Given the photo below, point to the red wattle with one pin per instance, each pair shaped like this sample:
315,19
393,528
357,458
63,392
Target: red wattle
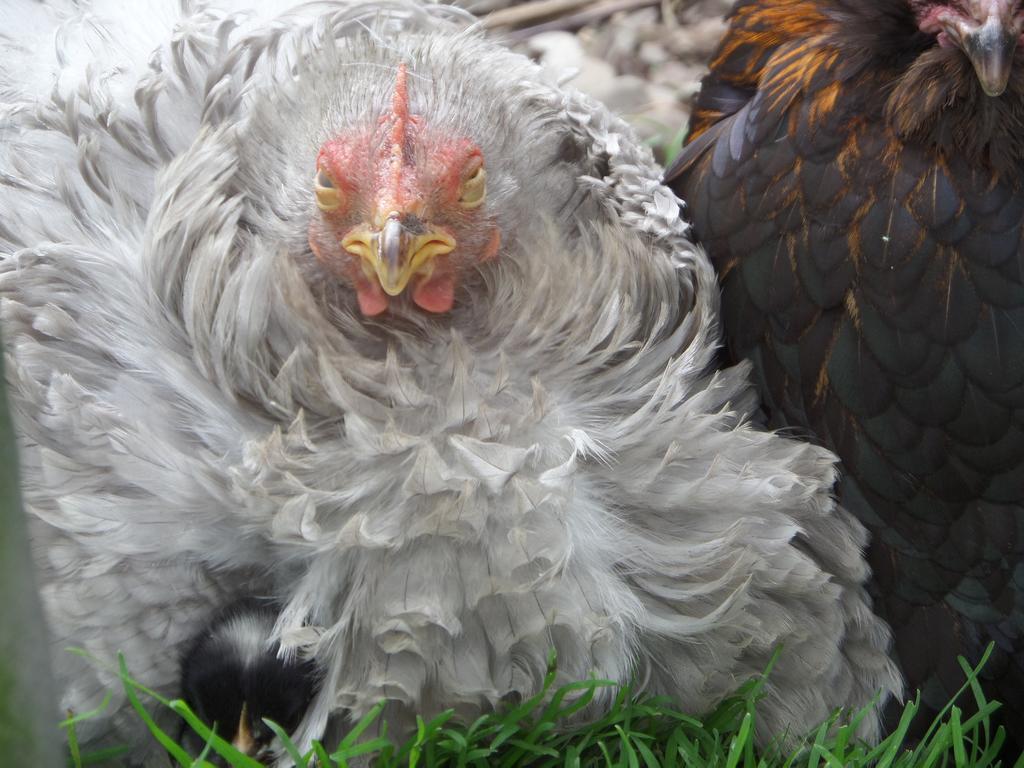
435,294
372,300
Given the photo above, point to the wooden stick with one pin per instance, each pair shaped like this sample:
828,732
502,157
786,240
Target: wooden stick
527,13
575,21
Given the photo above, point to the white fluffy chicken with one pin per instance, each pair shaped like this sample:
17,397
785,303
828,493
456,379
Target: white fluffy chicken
351,307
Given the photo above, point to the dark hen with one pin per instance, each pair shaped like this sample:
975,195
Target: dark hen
854,170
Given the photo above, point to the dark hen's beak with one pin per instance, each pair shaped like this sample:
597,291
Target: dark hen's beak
991,48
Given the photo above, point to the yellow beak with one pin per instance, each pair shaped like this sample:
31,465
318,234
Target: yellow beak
396,252
243,741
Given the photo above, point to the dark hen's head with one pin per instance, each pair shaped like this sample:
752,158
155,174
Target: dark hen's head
951,71
985,31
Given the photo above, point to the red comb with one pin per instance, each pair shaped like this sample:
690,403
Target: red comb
399,118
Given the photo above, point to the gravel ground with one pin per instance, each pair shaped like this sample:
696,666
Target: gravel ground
644,61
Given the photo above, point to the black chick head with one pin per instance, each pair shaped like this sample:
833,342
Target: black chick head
232,678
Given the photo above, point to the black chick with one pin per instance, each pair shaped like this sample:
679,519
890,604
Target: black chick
232,678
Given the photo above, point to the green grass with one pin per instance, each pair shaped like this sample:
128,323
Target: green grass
637,732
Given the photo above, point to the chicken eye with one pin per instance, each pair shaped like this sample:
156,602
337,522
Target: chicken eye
328,196
474,189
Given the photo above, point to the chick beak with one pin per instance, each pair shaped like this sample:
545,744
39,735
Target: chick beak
402,248
244,741
990,48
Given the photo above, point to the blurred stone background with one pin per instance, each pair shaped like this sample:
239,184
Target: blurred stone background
643,58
